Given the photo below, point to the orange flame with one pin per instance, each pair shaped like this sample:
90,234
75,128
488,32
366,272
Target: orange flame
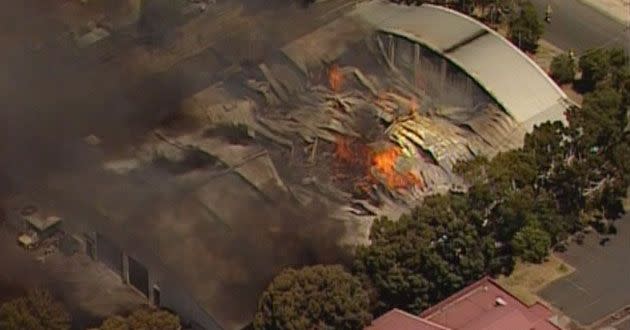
352,157
335,78
366,167
384,162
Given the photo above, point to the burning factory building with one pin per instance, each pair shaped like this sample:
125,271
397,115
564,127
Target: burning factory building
358,118
290,159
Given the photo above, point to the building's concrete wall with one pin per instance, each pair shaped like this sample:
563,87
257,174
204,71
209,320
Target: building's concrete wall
173,296
86,223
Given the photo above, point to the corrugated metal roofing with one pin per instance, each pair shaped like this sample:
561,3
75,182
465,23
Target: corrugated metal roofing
521,88
512,78
436,27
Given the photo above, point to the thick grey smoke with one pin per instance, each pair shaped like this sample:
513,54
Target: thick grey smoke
265,239
52,95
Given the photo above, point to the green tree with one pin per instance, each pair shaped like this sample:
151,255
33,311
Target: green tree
513,169
609,66
545,144
621,81
491,16
153,319
608,200
16,315
425,256
620,156
526,28
37,311
474,171
563,69
618,57
509,170
317,297
532,244
115,323
549,218
567,184
595,65
143,319
620,69
512,213
600,120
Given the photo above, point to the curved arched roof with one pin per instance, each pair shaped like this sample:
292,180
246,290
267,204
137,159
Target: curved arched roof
522,88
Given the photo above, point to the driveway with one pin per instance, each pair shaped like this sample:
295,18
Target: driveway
601,283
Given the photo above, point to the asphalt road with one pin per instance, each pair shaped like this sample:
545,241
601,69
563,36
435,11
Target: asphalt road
577,26
601,283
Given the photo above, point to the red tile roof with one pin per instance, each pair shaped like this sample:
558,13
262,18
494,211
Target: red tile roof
485,305
397,319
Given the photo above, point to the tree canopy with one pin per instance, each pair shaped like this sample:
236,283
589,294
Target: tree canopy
531,243
526,28
563,68
602,65
38,310
143,319
424,256
317,297
600,119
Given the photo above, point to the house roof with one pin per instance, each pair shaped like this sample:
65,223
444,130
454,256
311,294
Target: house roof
401,320
481,305
486,305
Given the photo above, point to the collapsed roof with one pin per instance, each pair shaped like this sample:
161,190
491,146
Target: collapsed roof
478,50
355,116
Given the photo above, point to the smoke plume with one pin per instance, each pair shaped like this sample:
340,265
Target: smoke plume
53,94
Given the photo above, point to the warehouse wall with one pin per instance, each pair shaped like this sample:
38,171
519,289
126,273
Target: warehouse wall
140,270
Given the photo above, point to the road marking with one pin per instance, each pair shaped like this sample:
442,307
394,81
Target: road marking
592,303
579,287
